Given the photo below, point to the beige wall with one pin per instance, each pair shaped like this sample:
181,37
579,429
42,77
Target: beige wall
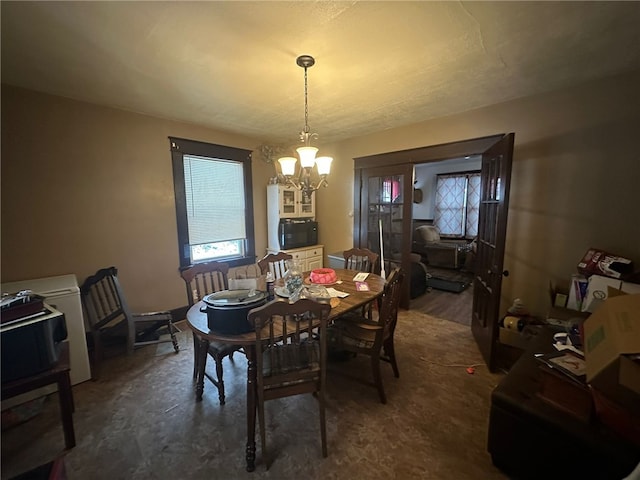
575,179
85,186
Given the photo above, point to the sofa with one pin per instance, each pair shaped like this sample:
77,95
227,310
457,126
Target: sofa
439,252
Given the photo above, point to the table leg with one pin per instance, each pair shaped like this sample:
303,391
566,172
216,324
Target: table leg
251,409
203,348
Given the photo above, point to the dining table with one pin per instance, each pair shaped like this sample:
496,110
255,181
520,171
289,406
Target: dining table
356,298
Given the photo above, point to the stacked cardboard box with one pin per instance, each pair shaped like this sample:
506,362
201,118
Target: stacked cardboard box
612,355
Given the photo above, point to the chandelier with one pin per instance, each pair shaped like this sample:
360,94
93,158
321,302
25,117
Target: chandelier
307,153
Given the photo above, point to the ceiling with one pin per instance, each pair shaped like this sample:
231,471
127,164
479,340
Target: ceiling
379,65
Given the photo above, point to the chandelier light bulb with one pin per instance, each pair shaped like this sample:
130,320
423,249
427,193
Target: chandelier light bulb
324,165
288,165
307,156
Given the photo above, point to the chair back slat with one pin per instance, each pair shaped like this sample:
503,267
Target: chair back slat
287,325
205,278
390,303
360,259
101,297
275,263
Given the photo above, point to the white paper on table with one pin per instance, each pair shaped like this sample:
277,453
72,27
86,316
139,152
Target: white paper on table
336,293
560,347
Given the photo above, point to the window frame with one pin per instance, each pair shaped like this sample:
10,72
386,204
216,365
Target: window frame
181,147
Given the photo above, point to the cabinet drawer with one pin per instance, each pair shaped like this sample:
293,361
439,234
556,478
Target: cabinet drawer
299,255
314,252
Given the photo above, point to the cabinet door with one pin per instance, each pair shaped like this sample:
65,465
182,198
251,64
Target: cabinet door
306,205
314,262
288,202
314,258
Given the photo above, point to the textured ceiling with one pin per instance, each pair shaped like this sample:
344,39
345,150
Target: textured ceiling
379,65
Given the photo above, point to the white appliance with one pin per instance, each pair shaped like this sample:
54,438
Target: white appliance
61,292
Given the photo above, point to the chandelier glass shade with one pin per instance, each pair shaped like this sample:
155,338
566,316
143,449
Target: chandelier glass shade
307,153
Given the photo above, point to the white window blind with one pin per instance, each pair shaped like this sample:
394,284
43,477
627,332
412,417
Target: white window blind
215,199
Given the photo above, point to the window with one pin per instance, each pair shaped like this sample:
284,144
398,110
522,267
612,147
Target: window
457,204
214,202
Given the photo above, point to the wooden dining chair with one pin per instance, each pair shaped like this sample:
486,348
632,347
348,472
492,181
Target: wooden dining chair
360,259
200,280
108,316
360,335
292,360
276,263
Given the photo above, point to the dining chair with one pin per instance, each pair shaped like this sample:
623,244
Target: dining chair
292,358
360,259
275,263
358,334
200,280
109,317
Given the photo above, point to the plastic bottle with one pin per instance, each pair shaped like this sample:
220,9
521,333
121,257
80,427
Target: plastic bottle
270,286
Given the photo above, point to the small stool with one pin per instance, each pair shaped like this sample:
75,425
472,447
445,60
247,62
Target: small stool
57,374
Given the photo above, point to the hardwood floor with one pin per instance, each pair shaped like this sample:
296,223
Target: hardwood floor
451,306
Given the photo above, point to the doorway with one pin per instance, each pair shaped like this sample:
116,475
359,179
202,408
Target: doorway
496,152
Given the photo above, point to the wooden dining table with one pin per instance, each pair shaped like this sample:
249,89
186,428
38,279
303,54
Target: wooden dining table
197,322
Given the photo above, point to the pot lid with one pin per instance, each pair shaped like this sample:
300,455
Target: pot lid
225,298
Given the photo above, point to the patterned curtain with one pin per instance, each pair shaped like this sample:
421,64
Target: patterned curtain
450,204
457,204
473,205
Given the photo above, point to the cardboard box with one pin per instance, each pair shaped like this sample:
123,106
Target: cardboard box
517,339
565,318
628,287
612,337
598,291
599,262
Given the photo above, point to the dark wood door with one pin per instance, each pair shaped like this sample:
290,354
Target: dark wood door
492,226
384,197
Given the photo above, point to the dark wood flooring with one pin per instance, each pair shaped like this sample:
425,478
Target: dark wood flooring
451,306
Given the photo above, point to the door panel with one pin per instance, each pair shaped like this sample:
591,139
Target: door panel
385,198
492,227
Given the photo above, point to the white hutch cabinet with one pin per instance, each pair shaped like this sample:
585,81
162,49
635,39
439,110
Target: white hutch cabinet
288,202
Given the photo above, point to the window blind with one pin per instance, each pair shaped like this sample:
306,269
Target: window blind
215,200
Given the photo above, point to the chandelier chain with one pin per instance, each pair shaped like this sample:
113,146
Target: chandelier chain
306,105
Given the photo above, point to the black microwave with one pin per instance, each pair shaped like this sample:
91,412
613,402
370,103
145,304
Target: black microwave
294,233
